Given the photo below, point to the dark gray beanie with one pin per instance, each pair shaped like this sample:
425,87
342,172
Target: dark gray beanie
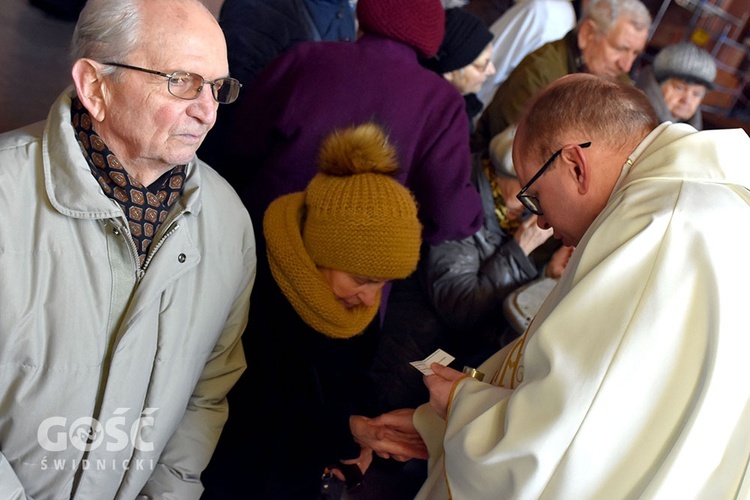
685,61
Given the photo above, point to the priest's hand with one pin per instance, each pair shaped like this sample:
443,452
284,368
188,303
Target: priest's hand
440,385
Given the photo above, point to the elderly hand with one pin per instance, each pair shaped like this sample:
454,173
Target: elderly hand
509,187
391,435
529,235
440,385
363,461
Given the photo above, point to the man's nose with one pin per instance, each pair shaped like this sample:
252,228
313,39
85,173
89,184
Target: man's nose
204,107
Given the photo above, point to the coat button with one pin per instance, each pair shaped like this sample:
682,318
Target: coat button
116,232
182,258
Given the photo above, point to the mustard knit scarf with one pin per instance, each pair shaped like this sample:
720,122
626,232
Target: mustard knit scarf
300,280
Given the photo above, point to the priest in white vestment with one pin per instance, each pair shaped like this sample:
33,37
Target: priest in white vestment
633,380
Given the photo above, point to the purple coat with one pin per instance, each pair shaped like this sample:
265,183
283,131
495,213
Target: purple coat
316,87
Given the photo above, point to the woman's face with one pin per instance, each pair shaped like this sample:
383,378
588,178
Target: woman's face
682,98
469,79
353,290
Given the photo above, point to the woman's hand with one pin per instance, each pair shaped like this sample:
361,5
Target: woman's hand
363,461
529,235
391,435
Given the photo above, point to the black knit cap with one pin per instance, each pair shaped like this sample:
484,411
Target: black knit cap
466,36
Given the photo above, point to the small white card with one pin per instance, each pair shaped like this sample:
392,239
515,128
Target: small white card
439,356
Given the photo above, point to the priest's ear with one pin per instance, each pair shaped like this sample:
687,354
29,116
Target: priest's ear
91,86
578,166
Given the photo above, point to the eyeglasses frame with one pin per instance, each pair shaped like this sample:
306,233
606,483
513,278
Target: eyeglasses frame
524,198
169,77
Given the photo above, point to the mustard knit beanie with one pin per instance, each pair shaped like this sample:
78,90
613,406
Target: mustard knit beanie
359,218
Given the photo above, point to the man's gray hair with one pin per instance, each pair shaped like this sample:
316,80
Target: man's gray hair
107,30
605,13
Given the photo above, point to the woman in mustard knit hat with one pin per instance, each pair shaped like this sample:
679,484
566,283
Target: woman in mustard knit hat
299,409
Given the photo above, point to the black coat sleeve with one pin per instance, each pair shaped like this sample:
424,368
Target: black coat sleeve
468,280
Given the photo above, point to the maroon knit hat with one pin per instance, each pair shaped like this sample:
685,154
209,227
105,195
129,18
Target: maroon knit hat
419,23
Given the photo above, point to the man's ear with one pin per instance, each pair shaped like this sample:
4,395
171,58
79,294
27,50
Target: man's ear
579,167
586,33
90,87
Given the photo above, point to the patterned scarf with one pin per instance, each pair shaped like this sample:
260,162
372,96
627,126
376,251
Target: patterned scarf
299,278
146,208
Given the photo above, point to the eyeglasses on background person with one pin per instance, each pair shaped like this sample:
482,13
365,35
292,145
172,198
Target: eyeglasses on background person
188,86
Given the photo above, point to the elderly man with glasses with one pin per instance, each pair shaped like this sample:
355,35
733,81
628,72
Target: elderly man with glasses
126,265
630,381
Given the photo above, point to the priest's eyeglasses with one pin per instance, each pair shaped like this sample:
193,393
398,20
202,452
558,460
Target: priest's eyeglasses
530,201
188,86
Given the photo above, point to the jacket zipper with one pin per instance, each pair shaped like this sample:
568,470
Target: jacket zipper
174,227
125,232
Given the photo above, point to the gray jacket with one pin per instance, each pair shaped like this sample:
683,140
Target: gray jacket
113,379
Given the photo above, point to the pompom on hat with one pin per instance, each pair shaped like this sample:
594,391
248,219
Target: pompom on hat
465,38
418,23
685,61
359,219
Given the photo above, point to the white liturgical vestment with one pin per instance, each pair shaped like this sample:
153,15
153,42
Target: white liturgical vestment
633,379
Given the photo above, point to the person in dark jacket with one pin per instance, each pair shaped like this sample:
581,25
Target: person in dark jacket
301,408
258,31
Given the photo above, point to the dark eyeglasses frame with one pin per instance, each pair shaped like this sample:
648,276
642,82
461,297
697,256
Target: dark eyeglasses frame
170,76
530,201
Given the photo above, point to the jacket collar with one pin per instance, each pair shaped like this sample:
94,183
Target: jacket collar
70,186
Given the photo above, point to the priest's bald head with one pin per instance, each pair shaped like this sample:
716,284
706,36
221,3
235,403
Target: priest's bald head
571,145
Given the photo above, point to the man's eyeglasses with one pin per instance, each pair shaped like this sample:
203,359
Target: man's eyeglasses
530,201
188,86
